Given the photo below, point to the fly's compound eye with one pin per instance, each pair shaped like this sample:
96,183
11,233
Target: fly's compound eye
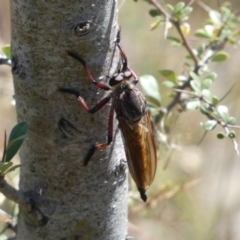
119,77
127,74
116,79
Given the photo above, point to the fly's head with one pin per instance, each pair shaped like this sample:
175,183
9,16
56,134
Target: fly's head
119,78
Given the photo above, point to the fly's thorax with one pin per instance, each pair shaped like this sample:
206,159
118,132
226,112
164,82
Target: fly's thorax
128,102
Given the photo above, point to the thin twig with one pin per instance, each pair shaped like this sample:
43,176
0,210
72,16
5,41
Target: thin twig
23,201
190,3
219,3
235,144
233,126
5,61
225,95
159,8
178,27
201,139
197,65
177,97
185,42
204,6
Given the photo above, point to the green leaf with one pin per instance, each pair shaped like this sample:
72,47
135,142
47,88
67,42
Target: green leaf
215,16
204,108
170,75
11,169
174,41
211,75
206,83
168,84
226,14
151,88
7,51
182,78
231,121
170,8
201,33
194,76
225,33
209,29
201,49
195,83
154,12
207,95
232,135
18,130
210,125
4,166
156,23
16,138
195,86
215,100
152,102
186,11
10,144
193,105
220,135
223,113
177,8
220,56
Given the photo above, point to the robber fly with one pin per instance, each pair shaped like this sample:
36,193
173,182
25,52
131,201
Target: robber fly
134,122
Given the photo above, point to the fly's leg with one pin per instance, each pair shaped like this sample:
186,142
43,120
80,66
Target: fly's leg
98,106
82,102
79,58
101,145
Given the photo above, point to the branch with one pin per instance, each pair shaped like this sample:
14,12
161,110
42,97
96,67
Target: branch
26,203
185,42
177,24
224,125
179,89
159,8
5,61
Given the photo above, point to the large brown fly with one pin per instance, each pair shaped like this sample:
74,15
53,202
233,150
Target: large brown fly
134,122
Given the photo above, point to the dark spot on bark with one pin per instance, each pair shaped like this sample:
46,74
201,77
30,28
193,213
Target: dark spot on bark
32,169
43,221
83,28
66,128
120,170
17,67
14,65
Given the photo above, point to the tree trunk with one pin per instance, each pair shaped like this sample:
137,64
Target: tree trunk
73,202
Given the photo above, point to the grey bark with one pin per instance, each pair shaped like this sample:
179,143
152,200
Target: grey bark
74,202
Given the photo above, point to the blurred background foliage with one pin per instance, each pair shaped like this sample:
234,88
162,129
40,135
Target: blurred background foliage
196,192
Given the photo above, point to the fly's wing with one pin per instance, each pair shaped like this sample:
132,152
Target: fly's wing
140,151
